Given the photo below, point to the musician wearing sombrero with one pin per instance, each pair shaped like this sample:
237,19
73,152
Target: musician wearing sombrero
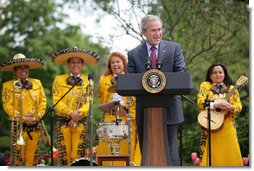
73,109
25,103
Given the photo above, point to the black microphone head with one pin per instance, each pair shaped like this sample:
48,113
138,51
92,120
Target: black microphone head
90,77
148,64
158,64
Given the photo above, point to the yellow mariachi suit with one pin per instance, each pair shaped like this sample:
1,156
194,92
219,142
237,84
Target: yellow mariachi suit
225,150
71,140
32,99
104,97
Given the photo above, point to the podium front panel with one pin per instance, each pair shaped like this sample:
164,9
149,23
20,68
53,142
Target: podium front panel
178,83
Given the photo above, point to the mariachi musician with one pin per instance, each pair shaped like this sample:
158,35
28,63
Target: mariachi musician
114,107
72,110
225,149
25,103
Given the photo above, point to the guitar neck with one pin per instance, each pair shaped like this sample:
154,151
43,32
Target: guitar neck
231,93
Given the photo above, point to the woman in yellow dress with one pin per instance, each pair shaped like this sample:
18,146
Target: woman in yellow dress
117,65
225,150
72,110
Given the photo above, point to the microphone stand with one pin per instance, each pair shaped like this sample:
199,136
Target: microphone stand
188,99
207,105
180,132
117,106
91,124
52,111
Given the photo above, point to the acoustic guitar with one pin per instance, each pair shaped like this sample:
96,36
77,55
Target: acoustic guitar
217,115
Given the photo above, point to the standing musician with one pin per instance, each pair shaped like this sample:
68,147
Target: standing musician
225,150
73,109
116,65
25,103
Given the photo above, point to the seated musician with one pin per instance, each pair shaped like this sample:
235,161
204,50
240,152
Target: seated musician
24,112
116,112
73,109
225,150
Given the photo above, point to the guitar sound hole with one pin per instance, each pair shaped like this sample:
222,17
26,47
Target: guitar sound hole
218,110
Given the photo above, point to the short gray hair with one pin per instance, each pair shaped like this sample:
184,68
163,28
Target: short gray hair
148,18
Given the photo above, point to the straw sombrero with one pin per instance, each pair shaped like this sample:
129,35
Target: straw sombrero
20,59
61,57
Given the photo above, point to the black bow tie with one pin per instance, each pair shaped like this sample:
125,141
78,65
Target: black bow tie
26,84
72,80
219,89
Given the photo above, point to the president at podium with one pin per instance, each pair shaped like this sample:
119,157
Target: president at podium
167,57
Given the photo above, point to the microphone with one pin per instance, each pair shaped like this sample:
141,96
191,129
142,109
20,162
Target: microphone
90,79
159,64
148,65
207,102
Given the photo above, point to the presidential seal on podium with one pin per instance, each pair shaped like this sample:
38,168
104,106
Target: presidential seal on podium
154,81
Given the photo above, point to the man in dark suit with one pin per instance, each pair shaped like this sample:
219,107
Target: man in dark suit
169,59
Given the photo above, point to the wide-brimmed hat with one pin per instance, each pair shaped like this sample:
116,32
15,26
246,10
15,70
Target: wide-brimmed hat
20,59
62,56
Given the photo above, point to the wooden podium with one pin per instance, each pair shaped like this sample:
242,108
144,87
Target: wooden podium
155,151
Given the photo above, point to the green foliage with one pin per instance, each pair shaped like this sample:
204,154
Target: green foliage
208,31
190,137
243,123
5,143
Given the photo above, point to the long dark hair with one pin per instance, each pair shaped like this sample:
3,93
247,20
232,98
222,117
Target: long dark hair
227,80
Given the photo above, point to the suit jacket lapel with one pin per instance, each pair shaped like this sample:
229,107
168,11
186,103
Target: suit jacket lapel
143,53
162,52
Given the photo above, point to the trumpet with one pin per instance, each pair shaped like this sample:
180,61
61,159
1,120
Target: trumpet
17,138
78,101
20,141
17,85
82,97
